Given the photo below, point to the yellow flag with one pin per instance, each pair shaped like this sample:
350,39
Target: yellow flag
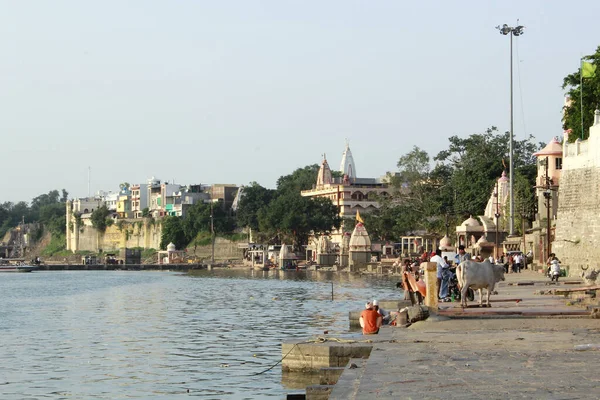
358,218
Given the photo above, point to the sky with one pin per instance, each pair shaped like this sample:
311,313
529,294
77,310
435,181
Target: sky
193,91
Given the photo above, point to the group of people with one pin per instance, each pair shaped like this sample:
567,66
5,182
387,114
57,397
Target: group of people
444,272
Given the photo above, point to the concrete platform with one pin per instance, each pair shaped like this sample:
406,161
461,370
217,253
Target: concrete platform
510,350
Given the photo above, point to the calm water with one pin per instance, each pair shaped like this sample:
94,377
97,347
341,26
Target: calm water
164,335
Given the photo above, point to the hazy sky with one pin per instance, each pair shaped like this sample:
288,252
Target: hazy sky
241,91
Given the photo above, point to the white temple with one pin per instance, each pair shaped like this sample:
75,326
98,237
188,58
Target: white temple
347,166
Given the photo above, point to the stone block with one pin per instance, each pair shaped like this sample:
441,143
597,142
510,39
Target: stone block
330,376
318,392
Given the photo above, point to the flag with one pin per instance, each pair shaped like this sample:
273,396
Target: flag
588,70
358,218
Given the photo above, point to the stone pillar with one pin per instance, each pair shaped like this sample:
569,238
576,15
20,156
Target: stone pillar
430,271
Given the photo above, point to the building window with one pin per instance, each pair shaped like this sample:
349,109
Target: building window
558,163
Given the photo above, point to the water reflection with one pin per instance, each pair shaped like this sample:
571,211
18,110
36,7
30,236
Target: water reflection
110,334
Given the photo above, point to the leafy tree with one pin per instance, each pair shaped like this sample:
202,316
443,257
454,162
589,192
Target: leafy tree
99,218
145,212
291,217
254,198
301,179
477,162
198,219
591,99
173,232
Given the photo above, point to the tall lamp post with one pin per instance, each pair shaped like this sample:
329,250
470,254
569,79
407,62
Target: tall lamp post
512,31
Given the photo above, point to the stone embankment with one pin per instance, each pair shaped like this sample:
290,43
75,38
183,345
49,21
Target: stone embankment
527,345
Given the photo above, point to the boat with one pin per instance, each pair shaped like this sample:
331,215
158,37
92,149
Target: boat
18,268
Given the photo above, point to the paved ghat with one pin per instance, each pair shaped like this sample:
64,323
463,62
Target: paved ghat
493,357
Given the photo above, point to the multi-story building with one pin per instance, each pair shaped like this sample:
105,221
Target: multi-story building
139,200
224,193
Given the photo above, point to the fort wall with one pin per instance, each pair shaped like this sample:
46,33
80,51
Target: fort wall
577,240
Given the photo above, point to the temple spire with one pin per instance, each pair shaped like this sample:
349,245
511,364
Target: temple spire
324,175
347,166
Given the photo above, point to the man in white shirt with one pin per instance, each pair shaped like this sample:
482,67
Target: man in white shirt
442,283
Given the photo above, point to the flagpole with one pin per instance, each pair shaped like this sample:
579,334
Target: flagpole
581,93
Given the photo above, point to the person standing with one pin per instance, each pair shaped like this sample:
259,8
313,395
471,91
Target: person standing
370,320
554,269
442,289
518,262
462,255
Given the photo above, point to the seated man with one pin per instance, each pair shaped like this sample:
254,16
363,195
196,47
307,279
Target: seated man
370,320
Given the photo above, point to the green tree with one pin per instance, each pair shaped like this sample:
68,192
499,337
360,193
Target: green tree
291,218
301,179
477,162
99,218
254,198
591,99
173,232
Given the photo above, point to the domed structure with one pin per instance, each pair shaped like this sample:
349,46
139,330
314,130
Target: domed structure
469,232
471,222
360,240
446,244
171,247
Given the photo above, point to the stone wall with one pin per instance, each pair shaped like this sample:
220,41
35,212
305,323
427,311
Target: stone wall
577,241
224,250
128,233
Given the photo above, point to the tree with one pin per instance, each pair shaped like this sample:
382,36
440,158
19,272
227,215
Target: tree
254,198
476,163
99,218
301,179
291,217
591,99
172,232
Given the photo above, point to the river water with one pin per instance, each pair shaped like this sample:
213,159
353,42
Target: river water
165,335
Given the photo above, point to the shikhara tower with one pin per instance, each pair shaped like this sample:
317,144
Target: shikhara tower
347,166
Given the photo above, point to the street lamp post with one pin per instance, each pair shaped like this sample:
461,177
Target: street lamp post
512,31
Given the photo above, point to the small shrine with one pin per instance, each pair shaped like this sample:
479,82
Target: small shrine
325,254
171,255
359,247
287,259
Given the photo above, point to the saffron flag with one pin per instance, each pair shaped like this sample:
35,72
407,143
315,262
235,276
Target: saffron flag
358,218
588,70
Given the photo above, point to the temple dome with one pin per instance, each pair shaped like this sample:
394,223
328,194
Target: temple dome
554,148
360,241
472,222
446,243
171,247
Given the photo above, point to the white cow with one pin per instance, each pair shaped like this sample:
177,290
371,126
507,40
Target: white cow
478,275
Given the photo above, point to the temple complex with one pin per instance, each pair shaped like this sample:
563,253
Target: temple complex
349,193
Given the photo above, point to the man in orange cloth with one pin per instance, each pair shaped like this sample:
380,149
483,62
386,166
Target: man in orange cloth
370,320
